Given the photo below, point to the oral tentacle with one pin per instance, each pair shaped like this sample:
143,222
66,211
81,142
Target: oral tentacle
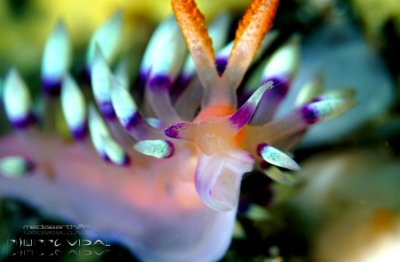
210,131
246,111
218,177
294,125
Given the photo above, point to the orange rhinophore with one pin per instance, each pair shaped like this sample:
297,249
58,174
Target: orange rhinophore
252,28
256,22
198,41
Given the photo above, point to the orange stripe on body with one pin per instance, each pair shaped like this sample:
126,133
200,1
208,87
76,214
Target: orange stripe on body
220,111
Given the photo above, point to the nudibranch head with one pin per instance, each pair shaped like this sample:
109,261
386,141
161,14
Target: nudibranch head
174,155
219,131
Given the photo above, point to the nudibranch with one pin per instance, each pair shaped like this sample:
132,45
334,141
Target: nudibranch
155,173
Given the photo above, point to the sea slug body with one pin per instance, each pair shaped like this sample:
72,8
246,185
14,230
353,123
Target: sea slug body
152,171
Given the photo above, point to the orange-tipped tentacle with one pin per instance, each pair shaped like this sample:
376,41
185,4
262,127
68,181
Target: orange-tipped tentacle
197,39
252,28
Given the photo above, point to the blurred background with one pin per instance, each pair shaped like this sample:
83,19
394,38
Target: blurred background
346,205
